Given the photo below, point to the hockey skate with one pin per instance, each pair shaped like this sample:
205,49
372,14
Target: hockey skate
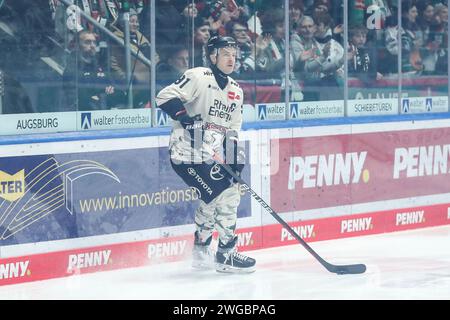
202,254
228,260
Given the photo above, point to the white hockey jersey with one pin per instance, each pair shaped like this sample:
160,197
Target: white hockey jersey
220,110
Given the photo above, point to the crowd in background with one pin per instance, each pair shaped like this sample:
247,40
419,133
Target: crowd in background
95,64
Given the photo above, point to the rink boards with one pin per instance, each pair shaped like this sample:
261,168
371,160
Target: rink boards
79,206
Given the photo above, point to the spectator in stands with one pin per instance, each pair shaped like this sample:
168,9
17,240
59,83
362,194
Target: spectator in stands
318,59
246,9
142,7
361,59
412,39
305,51
271,44
308,4
411,62
233,9
430,47
441,14
190,11
389,53
31,24
67,19
201,36
245,60
425,18
319,6
218,16
439,37
13,97
331,57
335,10
138,5
296,9
169,23
270,51
175,64
324,25
303,44
356,12
179,60
140,73
410,22
238,10
87,85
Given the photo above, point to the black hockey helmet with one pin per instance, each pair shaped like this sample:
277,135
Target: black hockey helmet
217,42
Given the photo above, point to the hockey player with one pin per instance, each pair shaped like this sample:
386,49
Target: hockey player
206,105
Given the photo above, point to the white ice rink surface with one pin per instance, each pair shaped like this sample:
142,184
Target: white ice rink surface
400,266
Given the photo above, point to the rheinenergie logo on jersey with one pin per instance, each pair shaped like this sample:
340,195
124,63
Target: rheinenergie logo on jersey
221,110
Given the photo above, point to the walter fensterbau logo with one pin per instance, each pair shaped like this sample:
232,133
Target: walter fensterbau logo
119,119
86,120
12,187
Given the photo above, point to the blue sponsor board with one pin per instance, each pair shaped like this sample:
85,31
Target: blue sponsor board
62,196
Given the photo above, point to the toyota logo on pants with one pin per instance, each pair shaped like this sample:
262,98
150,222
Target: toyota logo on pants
192,172
215,173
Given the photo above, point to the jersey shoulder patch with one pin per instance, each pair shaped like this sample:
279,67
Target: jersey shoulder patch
234,83
208,73
202,71
235,86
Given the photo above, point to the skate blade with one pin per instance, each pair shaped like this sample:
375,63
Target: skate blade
230,269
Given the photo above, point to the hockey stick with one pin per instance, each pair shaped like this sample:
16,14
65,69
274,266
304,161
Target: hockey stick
341,269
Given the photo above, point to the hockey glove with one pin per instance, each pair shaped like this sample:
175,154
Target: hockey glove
188,122
176,110
194,128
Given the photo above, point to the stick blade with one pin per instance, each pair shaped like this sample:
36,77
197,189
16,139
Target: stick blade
348,269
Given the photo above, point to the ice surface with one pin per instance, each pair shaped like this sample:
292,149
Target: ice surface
403,265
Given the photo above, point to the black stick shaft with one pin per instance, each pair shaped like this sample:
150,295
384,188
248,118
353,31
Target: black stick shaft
358,268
